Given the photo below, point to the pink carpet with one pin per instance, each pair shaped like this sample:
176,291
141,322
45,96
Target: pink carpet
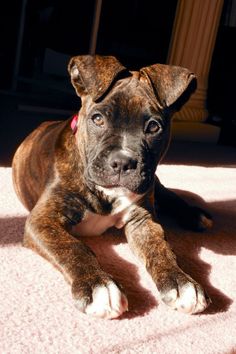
37,314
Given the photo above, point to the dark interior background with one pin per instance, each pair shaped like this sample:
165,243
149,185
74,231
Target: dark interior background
136,31
133,30
222,77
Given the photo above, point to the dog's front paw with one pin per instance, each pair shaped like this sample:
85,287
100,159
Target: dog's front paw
104,300
108,302
184,295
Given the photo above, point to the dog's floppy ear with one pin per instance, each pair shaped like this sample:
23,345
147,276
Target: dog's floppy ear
94,74
171,84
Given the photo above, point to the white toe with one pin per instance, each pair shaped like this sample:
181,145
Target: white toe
189,298
108,302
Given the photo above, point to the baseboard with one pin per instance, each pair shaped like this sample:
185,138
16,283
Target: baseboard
195,131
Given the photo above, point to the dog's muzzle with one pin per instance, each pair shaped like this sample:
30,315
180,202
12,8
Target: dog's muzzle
121,169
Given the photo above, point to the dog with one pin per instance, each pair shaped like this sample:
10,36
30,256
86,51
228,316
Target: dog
96,170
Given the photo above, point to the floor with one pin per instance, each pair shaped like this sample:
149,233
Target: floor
37,314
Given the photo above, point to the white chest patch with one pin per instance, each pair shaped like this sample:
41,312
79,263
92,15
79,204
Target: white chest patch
95,224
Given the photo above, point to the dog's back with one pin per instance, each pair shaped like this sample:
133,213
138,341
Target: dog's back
33,161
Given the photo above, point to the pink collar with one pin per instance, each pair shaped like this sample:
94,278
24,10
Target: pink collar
74,123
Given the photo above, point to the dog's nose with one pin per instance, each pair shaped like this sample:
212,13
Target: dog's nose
121,162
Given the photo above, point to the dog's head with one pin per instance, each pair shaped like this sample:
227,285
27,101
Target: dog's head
125,118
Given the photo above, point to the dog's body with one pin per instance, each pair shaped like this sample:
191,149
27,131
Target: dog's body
83,176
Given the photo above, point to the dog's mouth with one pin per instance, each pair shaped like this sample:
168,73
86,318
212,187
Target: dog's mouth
121,170
110,186
135,183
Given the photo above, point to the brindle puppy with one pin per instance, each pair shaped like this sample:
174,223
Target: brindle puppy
85,175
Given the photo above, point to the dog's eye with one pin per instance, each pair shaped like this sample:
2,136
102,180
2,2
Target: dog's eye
152,127
99,120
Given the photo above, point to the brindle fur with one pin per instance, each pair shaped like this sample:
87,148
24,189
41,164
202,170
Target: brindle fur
56,173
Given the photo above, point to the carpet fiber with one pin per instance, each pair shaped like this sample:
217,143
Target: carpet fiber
37,314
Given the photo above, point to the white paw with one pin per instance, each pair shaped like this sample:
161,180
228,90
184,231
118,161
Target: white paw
189,298
108,302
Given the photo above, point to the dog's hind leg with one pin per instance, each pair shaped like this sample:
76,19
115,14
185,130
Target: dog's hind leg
191,217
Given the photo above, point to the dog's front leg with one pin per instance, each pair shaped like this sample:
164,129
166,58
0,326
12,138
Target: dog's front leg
94,291
177,289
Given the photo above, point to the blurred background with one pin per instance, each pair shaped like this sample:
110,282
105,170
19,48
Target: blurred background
38,37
